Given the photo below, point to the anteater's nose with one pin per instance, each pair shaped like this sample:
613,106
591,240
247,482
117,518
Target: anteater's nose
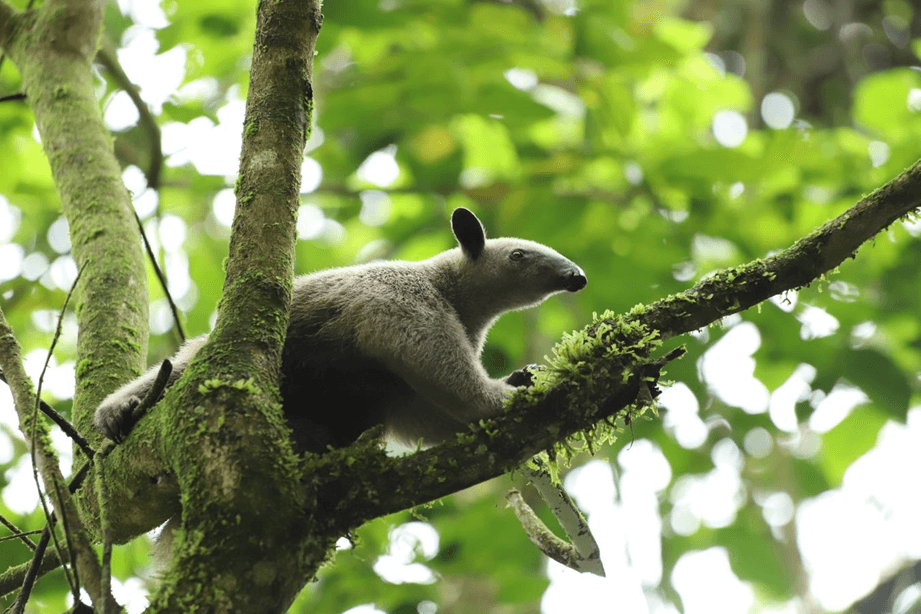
576,280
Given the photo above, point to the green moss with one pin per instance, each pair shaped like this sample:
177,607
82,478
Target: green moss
211,384
83,367
247,385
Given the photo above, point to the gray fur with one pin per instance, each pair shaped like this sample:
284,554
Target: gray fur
396,342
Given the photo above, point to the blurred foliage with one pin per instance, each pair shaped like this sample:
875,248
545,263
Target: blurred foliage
587,126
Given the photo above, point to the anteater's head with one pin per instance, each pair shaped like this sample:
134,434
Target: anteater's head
511,273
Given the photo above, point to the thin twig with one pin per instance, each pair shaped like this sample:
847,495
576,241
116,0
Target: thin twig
33,571
48,534
105,582
50,353
46,409
12,97
150,399
34,568
17,533
161,277
71,578
67,427
23,536
62,423
154,394
28,581
109,59
75,589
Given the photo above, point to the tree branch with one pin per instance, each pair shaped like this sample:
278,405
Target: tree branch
603,376
43,562
38,440
8,17
581,553
108,57
734,290
239,365
12,578
62,423
53,51
55,61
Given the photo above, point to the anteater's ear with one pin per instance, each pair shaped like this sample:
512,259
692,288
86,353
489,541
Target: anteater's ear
469,232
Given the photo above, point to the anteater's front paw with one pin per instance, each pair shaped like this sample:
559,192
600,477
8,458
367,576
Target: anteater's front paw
116,418
523,376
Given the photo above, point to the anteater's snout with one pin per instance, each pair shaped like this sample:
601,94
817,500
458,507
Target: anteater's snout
576,280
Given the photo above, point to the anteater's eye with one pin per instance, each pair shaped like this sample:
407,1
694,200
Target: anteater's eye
517,254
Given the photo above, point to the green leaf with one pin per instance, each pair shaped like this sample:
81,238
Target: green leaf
881,103
879,377
683,35
848,441
755,557
916,47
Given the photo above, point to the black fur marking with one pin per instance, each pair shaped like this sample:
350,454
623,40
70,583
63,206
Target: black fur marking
469,232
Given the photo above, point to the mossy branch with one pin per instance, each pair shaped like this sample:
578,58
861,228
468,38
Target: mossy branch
37,436
54,47
733,290
7,21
